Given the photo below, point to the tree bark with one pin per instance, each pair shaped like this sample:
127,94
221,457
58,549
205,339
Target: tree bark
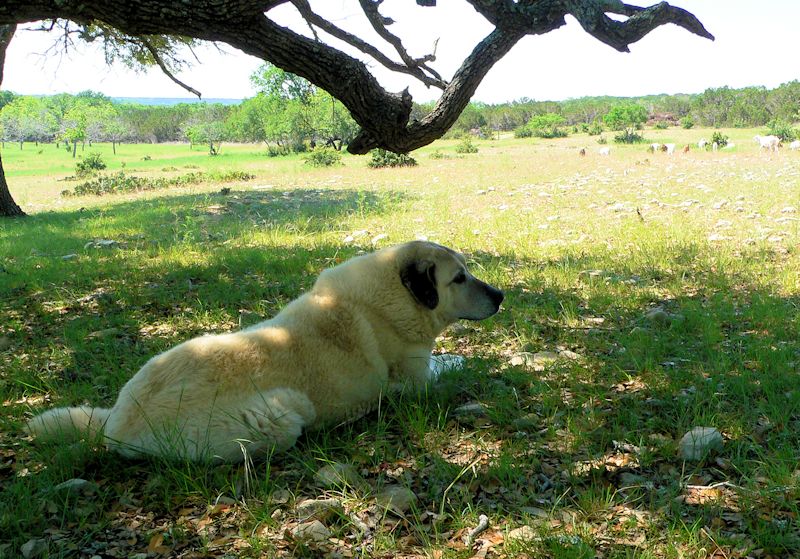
8,207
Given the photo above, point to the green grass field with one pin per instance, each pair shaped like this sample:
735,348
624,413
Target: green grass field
576,454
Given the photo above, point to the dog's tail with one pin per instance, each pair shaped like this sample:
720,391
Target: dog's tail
62,424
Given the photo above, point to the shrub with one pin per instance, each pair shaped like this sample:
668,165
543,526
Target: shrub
782,130
661,125
383,158
523,132
629,137
120,182
596,128
719,138
687,122
602,140
466,146
323,157
89,165
548,125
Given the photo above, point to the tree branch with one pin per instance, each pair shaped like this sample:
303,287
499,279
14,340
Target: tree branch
412,69
158,60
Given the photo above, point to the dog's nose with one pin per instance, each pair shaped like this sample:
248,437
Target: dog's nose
496,295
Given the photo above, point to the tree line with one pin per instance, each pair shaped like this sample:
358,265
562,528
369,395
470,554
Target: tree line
290,114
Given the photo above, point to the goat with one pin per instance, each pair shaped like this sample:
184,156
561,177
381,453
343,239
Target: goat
702,143
604,151
582,152
770,143
654,148
686,148
669,148
795,145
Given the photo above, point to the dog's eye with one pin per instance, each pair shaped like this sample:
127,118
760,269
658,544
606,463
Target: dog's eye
460,278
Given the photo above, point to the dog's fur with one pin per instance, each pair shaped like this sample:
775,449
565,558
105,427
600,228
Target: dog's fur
366,327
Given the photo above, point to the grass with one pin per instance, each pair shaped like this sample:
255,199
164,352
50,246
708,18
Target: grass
582,452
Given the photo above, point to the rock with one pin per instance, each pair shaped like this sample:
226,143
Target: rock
102,334
534,361
396,498
471,409
102,243
33,548
627,479
75,486
658,316
534,511
527,422
5,343
699,442
378,238
314,531
568,354
72,256
248,318
336,475
459,329
321,509
524,534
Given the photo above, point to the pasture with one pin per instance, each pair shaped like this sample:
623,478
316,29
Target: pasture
646,294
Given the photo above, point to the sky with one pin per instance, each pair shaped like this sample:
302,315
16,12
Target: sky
755,45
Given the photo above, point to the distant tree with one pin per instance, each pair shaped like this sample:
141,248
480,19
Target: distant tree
548,125
115,131
207,126
626,118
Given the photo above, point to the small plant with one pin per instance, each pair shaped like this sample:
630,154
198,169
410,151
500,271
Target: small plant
602,140
719,138
120,182
323,157
661,125
146,158
466,146
782,130
382,158
629,137
89,165
687,122
523,132
596,128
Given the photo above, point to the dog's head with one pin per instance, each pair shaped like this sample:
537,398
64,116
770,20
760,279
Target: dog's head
437,278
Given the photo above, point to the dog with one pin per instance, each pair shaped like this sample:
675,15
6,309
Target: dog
367,327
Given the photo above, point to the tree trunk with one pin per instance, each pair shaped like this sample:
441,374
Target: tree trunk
114,147
74,148
8,207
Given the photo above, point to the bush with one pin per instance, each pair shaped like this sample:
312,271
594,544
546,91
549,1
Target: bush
523,132
120,182
595,129
382,158
466,146
323,157
782,130
687,122
719,138
661,125
548,125
629,137
602,140
89,165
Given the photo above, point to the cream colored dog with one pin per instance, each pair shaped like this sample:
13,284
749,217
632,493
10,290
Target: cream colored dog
366,327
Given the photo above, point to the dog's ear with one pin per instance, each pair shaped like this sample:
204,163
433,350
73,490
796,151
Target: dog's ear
419,277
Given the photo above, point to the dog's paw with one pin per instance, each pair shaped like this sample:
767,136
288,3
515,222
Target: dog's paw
446,362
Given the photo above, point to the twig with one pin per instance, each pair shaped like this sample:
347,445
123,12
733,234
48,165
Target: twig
483,524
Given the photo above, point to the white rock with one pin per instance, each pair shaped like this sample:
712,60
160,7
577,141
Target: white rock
396,498
320,509
525,534
72,256
33,548
76,485
378,238
336,475
698,442
311,531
